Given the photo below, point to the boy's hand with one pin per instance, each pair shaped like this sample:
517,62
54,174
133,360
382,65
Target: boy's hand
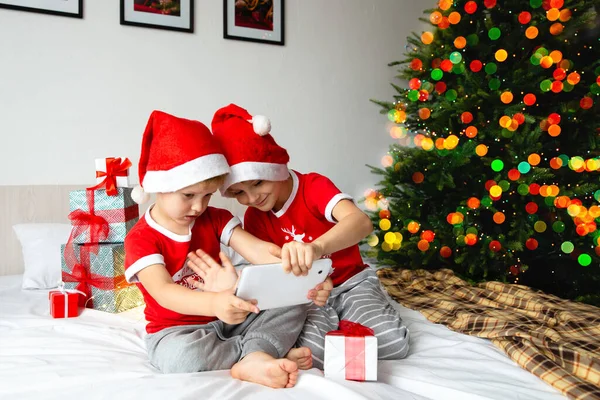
321,292
216,277
231,309
297,256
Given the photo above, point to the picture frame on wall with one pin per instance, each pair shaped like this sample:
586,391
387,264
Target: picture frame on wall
64,8
260,21
174,15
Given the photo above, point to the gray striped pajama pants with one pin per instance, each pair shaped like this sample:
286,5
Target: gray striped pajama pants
360,299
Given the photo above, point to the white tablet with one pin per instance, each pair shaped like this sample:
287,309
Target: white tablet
273,288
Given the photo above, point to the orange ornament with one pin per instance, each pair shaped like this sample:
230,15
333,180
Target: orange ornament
499,217
424,113
423,245
531,32
473,203
418,177
454,18
427,37
556,28
506,97
460,42
413,227
471,132
447,251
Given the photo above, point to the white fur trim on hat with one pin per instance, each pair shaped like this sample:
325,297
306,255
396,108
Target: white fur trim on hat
261,125
249,171
184,175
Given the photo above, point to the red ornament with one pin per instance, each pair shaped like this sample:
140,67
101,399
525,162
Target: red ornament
529,99
440,87
445,252
428,235
476,65
446,65
470,7
514,270
557,86
534,189
495,246
423,95
385,214
531,244
520,118
524,17
582,230
414,83
471,239
466,117
559,74
489,184
586,103
531,208
554,119
444,23
416,64
436,63
514,174
489,3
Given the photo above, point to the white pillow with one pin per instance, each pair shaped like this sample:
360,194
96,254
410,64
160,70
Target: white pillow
41,253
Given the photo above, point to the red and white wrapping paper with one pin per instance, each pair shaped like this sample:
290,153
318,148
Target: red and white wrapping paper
351,353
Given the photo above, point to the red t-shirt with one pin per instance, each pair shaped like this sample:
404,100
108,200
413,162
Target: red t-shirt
305,216
149,243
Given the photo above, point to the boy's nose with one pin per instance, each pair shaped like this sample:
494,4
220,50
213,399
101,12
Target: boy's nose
197,206
252,198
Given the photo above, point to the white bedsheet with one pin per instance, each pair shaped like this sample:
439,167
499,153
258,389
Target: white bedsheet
101,356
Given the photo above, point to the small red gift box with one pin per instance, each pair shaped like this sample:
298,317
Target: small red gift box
351,353
64,303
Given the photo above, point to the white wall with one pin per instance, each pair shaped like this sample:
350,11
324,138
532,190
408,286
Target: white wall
72,90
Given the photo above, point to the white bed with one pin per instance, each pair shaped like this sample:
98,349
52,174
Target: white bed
101,356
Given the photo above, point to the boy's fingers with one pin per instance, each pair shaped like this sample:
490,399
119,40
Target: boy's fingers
226,261
245,305
197,269
285,260
210,262
196,284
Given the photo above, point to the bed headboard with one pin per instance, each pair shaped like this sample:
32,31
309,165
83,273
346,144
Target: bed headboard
48,203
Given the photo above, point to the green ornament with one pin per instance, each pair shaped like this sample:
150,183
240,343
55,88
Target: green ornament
546,85
460,240
491,68
524,167
458,230
567,247
595,89
567,87
473,40
584,260
505,185
462,209
497,165
455,57
392,115
413,95
494,84
597,195
597,71
535,59
542,50
507,134
472,230
437,74
535,3
558,227
549,201
428,86
523,189
487,201
451,95
565,159
494,33
458,68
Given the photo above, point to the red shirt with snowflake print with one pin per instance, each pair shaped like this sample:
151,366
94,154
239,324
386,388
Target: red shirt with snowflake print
148,243
305,216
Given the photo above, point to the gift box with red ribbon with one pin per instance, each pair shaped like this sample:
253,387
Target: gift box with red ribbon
351,353
98,271
64,303
99,218
112,173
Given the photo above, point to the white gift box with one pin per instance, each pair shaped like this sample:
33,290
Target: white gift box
121,181
351,358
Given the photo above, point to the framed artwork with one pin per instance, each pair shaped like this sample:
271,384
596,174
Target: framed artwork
254,20
65,8
174,15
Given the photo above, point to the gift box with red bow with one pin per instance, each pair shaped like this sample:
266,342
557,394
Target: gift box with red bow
64,303
351,353
98,271
99,218
112,173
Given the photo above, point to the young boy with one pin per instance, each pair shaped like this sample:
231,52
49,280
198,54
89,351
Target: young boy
309,218
190,330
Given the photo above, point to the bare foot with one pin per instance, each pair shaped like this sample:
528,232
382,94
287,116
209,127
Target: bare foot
301,356
263,369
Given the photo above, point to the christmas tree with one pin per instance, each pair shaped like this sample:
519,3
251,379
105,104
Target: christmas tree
495,171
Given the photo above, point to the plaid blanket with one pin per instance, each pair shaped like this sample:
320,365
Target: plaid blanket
557,340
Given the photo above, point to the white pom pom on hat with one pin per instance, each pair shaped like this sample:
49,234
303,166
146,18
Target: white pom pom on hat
261,125
139,195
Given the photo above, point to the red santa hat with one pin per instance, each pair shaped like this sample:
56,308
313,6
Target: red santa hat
176,153
251,151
